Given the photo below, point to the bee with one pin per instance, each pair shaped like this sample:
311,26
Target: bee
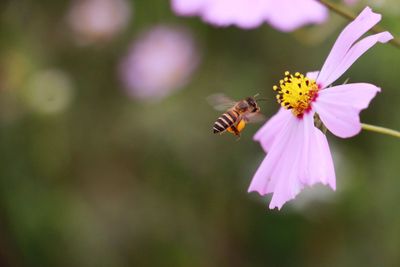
236,116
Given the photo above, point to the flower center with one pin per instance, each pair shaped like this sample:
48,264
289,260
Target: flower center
296,92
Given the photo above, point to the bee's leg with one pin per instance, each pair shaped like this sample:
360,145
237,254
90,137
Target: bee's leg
235,131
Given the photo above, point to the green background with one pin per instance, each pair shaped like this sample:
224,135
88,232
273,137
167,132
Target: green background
113,181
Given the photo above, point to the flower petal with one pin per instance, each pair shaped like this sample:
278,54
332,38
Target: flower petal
188,7
299,156
339,107
288,15
266,134
283,15
274,166
355,52
365,21
318,167
237,12
312,75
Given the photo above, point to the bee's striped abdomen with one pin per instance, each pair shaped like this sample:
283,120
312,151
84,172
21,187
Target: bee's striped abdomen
225,121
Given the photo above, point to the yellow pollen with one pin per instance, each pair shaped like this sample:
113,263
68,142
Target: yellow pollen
296,92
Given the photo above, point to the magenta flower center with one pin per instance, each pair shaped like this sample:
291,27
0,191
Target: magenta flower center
296,92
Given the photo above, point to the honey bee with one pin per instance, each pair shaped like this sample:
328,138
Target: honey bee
236,116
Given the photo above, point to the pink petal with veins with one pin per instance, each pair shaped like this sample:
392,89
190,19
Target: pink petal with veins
339,107
299,156
274,164
365,21
318,163
355,52
271,128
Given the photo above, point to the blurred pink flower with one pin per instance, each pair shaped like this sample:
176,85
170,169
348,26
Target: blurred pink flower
97,20
284,15
298,152
160,61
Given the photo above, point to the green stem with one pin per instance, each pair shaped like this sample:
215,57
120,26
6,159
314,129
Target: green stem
350,16
381,130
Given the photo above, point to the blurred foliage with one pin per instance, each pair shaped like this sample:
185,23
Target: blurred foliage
111,181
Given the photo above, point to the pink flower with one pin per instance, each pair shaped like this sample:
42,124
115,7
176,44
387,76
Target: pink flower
161,61
298,152
284,15
93,21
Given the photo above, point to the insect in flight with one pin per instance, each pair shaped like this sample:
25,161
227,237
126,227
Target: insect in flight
237,114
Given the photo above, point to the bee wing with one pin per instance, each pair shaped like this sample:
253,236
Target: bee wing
254,118
220,101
